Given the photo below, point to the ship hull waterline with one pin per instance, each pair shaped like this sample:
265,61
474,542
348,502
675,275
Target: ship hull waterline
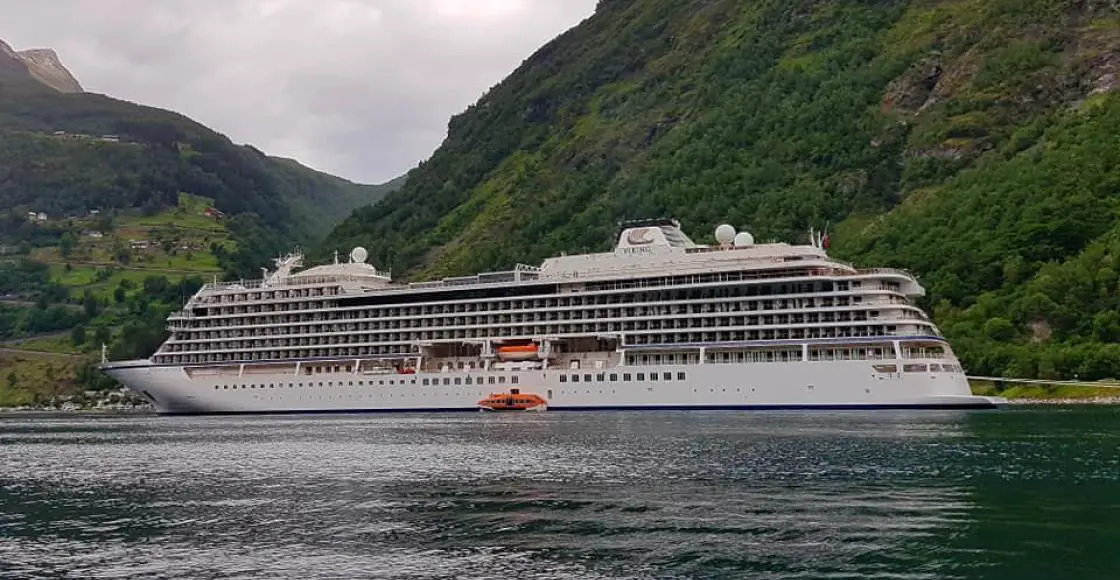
823,385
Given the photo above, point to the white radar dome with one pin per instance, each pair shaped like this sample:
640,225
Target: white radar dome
744,239
358,255
725,234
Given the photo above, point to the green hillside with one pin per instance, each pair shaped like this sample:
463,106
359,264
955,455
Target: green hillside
67,154
972,141
111,279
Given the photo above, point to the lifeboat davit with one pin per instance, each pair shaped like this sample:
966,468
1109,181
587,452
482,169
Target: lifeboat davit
519,352
514,400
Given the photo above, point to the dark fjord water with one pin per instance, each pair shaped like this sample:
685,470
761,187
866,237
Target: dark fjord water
1014,494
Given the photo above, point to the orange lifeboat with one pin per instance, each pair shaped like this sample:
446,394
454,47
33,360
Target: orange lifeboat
514,400
519,352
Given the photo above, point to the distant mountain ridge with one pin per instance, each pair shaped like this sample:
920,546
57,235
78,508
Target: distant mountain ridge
63,151
40,64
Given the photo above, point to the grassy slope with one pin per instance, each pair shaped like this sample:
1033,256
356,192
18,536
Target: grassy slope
35,375
26,378
93,263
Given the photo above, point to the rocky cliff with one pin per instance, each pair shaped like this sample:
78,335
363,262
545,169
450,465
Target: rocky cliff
38,64
45,66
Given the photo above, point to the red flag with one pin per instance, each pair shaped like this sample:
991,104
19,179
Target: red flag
825,242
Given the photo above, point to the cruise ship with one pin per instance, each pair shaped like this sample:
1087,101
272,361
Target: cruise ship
660,322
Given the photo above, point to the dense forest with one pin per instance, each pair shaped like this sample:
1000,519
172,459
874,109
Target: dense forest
974,142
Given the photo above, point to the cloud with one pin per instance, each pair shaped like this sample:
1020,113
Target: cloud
359,88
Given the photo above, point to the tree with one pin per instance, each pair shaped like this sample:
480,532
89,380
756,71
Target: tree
67,243
78,335
89,303
101,335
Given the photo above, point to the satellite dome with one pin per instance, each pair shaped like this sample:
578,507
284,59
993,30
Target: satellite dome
725,234
358,255
743,239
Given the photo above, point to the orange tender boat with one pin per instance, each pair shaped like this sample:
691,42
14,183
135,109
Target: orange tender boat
514,400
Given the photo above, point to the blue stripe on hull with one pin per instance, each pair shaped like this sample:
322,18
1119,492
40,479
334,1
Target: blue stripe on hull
867,407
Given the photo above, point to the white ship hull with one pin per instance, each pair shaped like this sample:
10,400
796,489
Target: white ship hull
777,385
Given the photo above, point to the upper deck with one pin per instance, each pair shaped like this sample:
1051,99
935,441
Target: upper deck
653,249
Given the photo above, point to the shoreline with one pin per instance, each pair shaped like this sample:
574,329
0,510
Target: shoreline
147,410
1066,401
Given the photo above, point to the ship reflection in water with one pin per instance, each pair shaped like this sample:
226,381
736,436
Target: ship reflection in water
558,495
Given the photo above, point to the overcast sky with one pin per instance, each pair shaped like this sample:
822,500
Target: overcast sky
358,88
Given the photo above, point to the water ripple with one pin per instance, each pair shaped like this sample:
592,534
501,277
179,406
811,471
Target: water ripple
598,495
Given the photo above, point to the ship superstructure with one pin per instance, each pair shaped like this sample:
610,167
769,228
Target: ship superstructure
659,322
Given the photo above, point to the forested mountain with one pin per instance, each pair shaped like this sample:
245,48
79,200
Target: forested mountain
68,153
975,142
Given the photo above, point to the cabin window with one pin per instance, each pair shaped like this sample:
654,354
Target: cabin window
614,377
469,381
626,376
575,378
490,380
587,378
563,378
641,376
667,376
653,376
458,381
446,381
680,376
513,379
